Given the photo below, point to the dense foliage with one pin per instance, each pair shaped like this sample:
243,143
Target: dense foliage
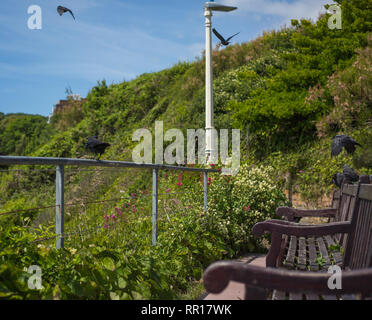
117,261
289,91
21,134
238,202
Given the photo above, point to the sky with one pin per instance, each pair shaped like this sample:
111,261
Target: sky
116,40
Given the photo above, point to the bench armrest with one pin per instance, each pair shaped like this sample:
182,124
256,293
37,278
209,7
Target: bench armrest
291,213
288,223
298,230
218,275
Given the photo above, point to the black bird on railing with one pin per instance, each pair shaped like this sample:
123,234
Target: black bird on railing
224,41
61,10
96,146
348,175
343,141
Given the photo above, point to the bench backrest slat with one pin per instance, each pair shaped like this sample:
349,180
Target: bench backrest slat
359,249
346,199
366,192
335,199
346,208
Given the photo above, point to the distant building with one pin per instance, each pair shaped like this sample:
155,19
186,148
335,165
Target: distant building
75,97
62,104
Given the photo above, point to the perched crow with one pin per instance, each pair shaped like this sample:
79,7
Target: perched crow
338,178
224,41
61,10
96,146
343,141
347,176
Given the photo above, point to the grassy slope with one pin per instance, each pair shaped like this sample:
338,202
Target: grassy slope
285,91
282,90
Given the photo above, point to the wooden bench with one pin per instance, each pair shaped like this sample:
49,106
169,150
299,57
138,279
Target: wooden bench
309,279
311,252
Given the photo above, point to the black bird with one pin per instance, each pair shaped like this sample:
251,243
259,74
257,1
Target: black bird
224,41
61,10
343,141
338,178
348,175
96,146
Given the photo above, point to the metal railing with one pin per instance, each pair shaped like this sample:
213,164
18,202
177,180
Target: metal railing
60,164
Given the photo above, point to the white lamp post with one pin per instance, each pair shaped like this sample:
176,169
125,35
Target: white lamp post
209,123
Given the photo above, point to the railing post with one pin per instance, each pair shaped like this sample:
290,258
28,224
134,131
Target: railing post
154,206
60,206
205,184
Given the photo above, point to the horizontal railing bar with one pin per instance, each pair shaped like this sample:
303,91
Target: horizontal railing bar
12,160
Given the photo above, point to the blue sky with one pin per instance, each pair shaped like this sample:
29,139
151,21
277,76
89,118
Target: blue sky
115,40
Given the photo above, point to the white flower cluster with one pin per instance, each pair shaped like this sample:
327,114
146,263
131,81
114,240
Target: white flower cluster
237,204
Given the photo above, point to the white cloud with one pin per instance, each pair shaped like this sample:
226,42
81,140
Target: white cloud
90,52
286,10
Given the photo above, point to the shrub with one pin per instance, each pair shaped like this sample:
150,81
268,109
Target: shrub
350,94
238,202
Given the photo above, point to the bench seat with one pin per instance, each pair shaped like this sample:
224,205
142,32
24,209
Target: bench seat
311,253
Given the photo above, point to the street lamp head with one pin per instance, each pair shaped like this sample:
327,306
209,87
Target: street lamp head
211,5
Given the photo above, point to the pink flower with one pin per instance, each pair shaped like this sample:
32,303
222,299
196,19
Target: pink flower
246,209
113,217
105,226
168,190
179,184
118,211
127,206
212,165
106,217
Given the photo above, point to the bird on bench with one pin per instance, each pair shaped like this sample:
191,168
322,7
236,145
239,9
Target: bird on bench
348,175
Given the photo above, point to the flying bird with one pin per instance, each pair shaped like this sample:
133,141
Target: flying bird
61,10
224,41
96,146
343,141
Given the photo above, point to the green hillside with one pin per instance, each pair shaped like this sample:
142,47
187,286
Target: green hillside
289,92
21,134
